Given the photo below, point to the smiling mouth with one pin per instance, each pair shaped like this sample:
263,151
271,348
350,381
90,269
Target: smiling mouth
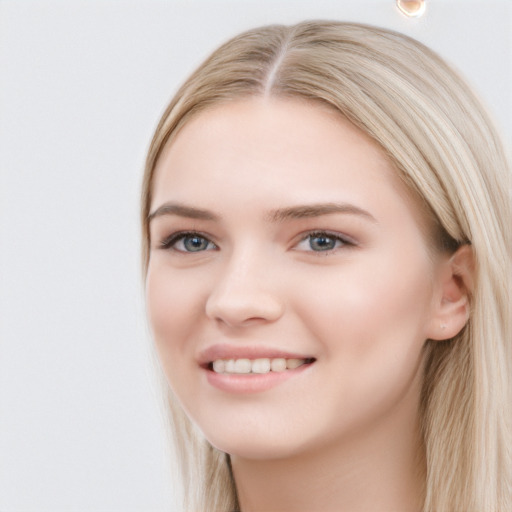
256,366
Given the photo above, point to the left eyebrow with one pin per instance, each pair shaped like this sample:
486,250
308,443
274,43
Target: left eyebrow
317,210
182,210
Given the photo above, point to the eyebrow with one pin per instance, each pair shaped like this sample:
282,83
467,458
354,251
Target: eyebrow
278,215
182,210
317,210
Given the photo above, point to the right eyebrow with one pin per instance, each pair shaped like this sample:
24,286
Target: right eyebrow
181,210
317,210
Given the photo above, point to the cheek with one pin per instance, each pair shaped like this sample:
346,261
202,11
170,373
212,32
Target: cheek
173,305
368,309
370,327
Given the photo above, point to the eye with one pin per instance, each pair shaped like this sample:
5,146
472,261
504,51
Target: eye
188,242
322,241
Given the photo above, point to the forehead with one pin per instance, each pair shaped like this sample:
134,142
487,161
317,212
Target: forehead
251,132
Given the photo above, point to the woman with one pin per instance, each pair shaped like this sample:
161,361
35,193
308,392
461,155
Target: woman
327,253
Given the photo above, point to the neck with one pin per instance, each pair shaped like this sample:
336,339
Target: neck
377,470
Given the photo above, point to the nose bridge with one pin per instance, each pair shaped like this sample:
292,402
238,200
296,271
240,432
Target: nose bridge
245,289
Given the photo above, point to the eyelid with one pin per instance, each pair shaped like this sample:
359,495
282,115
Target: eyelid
347,241
168,243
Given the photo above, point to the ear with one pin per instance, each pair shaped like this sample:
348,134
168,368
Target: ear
451,307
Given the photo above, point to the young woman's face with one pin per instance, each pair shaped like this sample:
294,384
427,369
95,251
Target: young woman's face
284,245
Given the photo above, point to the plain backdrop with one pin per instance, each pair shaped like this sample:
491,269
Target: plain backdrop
82,85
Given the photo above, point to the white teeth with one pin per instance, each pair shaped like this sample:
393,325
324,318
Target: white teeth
262,365
242,366
219,366
278,365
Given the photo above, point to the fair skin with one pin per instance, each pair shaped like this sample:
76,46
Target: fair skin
279,231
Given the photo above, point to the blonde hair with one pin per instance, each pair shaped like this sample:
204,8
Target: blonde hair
444,147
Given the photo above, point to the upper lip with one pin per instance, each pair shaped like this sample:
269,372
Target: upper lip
228,351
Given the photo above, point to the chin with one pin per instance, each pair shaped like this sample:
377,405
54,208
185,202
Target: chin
255,442
255,449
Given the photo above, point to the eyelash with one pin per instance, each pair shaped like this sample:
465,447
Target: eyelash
340,240
171,241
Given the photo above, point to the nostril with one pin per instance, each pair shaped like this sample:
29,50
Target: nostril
244,308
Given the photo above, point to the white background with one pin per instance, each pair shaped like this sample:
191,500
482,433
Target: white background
82,85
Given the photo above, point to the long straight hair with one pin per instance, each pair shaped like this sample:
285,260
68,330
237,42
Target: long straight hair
445,149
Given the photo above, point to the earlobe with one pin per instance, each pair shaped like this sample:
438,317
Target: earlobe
452,302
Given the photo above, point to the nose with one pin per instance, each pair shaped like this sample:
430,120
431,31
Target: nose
245,293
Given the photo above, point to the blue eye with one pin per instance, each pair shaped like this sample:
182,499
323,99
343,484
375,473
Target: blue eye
195,243
323,242
188,242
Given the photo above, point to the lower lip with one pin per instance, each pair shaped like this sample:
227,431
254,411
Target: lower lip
252,383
